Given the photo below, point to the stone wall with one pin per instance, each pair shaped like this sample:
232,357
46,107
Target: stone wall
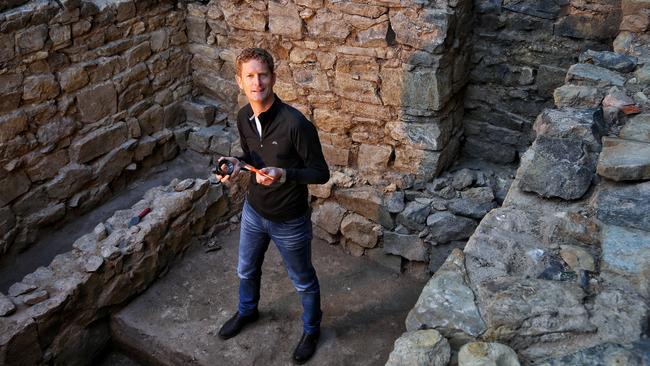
521,51
58,315
561,272
89,96
382,81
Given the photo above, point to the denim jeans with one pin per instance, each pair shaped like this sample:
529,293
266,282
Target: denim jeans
293,240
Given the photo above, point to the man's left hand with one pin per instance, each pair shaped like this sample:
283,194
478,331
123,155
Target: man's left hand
276,173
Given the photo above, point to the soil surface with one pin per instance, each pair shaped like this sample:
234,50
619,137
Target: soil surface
177,319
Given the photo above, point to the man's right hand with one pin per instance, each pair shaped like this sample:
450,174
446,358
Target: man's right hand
237,167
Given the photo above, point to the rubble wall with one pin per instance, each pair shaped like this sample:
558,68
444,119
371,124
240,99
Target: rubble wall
88,97
520,53
382,81
58,315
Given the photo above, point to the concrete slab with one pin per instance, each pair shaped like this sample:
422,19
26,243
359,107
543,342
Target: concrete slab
176,320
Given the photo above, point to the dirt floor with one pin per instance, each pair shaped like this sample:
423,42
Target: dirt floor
176,320
59,240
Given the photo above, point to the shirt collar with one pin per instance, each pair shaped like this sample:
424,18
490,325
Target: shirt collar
270,113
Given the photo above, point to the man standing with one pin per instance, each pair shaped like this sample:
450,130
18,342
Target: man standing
278,139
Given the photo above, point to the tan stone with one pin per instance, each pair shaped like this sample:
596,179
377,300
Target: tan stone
335,155
330,120
367,110
350,87
359,67
373,159
424,29
11,125
73,78
328,25
374,36
360,230
39,88
364,10
285,20
577,258
424,163
244,16
309,76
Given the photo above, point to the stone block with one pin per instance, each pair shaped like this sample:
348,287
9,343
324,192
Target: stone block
374,36
144,148
60,35
365,201
374,159
626,252
13,186
7,220
587,74
610,60
328,216
55,131
424,29
48,166
637,128
198,112
285,20
137,54
11,125
414,215
424,163
582,124
98,142
420,348
351,87
557,167
197,29
359,230
173,115
474,203
112,164
73,78
624,160
6,306
484,353
445,227
70,179
39,88
97,102
159,40
7,47
578,96
10,91
410,247
326,24
151,120
430,136
125,10
31,39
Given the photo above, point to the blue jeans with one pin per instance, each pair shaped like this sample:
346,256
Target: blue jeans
293,240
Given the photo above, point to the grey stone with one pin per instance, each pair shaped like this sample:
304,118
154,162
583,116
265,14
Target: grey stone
557,167
483,354
394,201
70,179
601,355
34,297
447,303
11,125
420,348
410,247
93,263
438,253
49,215
199,140
152,120
197,29
365,201
6,306
414,215
200,113
7,45
56,130
610,60
420,29
624,160
13,186
160,40
578,96
97,101
584,124
587,74
479,148
474,203
328,216
627,205
98,142
642,74
31,39
7,220
626,252
445,227
137,54
462,179
433,136
39,88
360,230
112,164
145,148
637,128
20,288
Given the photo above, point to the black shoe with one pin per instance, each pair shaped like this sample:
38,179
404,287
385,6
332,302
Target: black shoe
306,348
235,324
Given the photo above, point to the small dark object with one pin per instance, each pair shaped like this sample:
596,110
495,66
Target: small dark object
136,219
225,167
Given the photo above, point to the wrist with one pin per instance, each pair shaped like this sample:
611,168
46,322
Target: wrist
283,177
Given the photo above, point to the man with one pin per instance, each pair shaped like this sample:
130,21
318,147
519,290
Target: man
278,139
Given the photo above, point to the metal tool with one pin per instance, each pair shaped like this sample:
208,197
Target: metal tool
226,167
136,219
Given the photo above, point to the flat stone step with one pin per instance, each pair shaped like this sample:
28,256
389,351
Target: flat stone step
623,160
638,128
176,320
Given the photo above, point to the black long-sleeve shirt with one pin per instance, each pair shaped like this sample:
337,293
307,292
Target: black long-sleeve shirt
288,141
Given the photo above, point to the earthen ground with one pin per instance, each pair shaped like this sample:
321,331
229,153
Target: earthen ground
177,319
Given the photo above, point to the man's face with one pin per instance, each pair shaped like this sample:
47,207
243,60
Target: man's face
256,80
